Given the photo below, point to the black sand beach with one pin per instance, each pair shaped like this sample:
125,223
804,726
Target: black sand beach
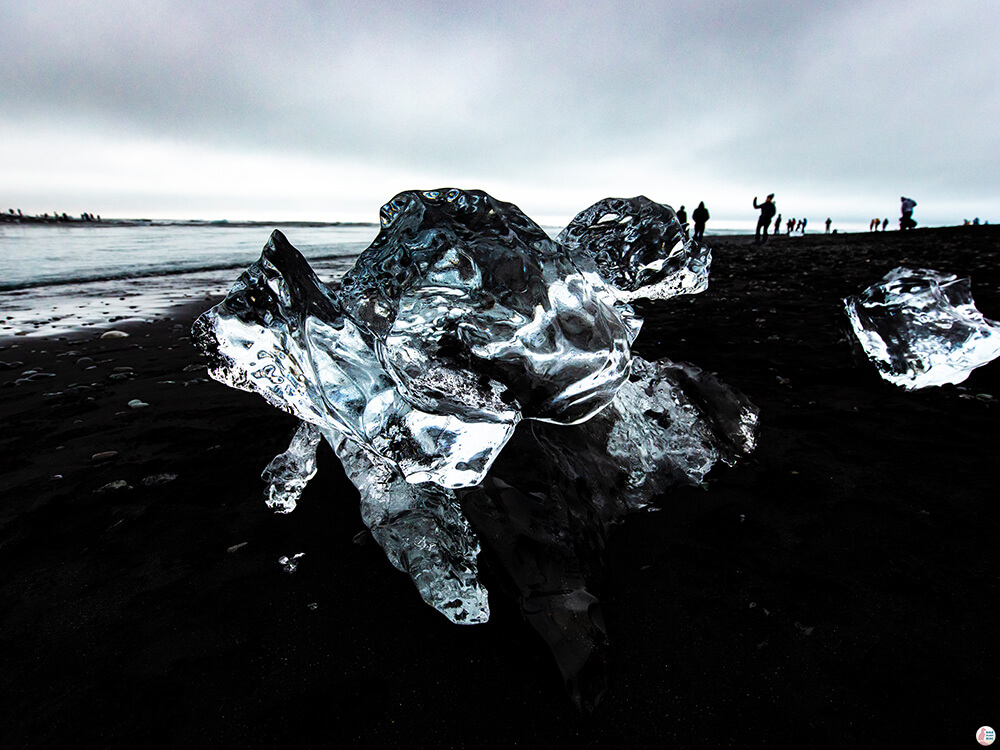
837,590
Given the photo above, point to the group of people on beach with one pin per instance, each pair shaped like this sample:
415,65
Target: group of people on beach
18,217
767,211
700,216
768,208
793,225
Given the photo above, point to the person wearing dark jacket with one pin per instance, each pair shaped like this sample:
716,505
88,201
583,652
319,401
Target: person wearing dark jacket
700,216
906,220
767,212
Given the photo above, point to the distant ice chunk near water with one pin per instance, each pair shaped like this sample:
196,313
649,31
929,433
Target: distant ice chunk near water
921,328
462,329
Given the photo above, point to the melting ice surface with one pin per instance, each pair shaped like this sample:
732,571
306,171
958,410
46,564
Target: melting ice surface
475,378
921,328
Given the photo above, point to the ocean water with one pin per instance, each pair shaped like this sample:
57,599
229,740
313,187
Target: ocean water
33,255
60,279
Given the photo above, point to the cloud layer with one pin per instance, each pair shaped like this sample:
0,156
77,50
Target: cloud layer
304,109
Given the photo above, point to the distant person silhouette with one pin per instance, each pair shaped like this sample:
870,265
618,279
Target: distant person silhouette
829,221
767,212
790,226
777,225
682,217
700,216
885,224
906,220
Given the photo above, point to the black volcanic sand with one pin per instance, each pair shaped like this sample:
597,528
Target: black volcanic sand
840,589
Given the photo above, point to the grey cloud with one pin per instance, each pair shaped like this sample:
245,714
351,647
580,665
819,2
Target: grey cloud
785,91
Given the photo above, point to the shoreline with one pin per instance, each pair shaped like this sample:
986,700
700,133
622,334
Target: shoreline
65,308
838,586
14,220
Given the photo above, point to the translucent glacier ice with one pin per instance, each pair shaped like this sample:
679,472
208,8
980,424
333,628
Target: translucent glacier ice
462,329
639,248
421,528
921,328
289,472
284,334
475,311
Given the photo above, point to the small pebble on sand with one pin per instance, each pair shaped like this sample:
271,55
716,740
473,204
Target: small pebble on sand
157,479
114,335
115,486
104,456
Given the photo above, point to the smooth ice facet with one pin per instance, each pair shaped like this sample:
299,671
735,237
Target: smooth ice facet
921,328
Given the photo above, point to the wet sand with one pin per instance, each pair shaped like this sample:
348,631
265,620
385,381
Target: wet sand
840,589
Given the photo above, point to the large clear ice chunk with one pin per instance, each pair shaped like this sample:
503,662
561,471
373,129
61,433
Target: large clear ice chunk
463,329
921,328
473,310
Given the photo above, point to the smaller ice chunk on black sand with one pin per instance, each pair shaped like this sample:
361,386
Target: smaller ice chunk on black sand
921,328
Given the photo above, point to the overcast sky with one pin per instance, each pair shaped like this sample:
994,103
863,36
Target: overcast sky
325,110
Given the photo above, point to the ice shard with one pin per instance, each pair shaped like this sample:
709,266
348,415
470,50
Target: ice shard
639,248
289,472
463,328
422,530
921,328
